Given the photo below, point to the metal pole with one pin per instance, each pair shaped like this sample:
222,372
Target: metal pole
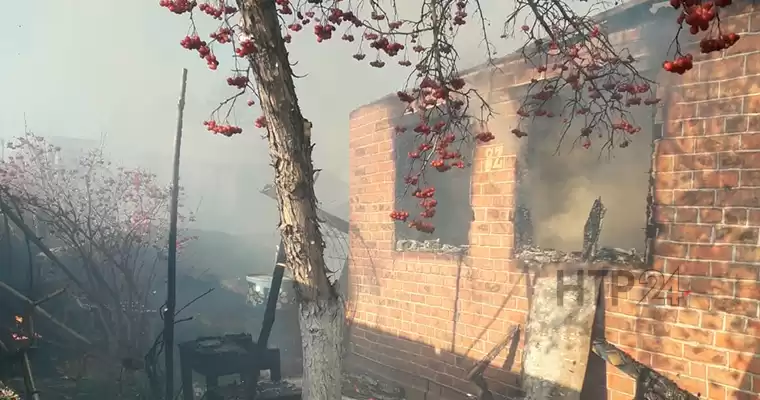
171,279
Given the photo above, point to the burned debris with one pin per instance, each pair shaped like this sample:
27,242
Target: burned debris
651,385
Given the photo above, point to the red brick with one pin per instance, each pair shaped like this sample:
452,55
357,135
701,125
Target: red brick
744,307
741,197
749,254
690,162
750,141
711,252
738,87
705,354
710,286
688,268
734,271
696,198
668,364
720,107
725,376
691,233
710,215
662,345
748,290
714,144
689,317
670,249
737,124
734,216
712,321
665,214
731,160
686,215
716,179
702,336
750,179
621,384
753,63
664,163
736,235
675,146
722,69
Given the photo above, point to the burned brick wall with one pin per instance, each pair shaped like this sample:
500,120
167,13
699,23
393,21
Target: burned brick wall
425,317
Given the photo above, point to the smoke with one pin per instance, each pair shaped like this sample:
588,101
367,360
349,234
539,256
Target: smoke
559,181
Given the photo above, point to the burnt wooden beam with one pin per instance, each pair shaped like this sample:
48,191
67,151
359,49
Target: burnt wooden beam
650,384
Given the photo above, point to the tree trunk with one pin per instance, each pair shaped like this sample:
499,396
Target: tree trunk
322,338
321,311
558,332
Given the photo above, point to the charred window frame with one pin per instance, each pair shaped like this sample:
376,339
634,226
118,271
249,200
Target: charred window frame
454,213
529,178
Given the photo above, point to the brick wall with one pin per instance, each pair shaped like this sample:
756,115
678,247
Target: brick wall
423,318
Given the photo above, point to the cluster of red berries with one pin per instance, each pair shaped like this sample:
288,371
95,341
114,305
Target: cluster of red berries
338,16
246,48
425,193
627,127
223,35
460,14
390,48
485,137
226,130
680,65
579,65
519,133
323,32
709,45
195,43
261,122
217,12
699,15
178,6
239,82
284,7
399,215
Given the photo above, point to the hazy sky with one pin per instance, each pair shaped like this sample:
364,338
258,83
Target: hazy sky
86,67
82,68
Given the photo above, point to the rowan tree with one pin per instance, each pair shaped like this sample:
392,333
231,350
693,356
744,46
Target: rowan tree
571,55
112,221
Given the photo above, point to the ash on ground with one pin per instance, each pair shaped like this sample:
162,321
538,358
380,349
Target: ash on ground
355,387
363,387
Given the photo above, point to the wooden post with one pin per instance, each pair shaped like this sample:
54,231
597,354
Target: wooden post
171,279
